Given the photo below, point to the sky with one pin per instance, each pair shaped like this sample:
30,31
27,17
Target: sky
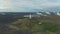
26,5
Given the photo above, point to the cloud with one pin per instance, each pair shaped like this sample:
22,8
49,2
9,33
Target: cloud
36,3
5,4
46,3
27,5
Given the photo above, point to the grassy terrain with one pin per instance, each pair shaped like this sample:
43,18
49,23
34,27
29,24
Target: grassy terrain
42,25
35,26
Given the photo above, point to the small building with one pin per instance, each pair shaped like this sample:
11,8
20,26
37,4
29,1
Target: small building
30,16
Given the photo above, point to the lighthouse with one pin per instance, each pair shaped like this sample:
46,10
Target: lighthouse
30,16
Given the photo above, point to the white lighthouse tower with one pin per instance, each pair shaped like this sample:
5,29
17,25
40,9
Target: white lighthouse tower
30,16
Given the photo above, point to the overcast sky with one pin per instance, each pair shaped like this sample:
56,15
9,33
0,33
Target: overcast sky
26,5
